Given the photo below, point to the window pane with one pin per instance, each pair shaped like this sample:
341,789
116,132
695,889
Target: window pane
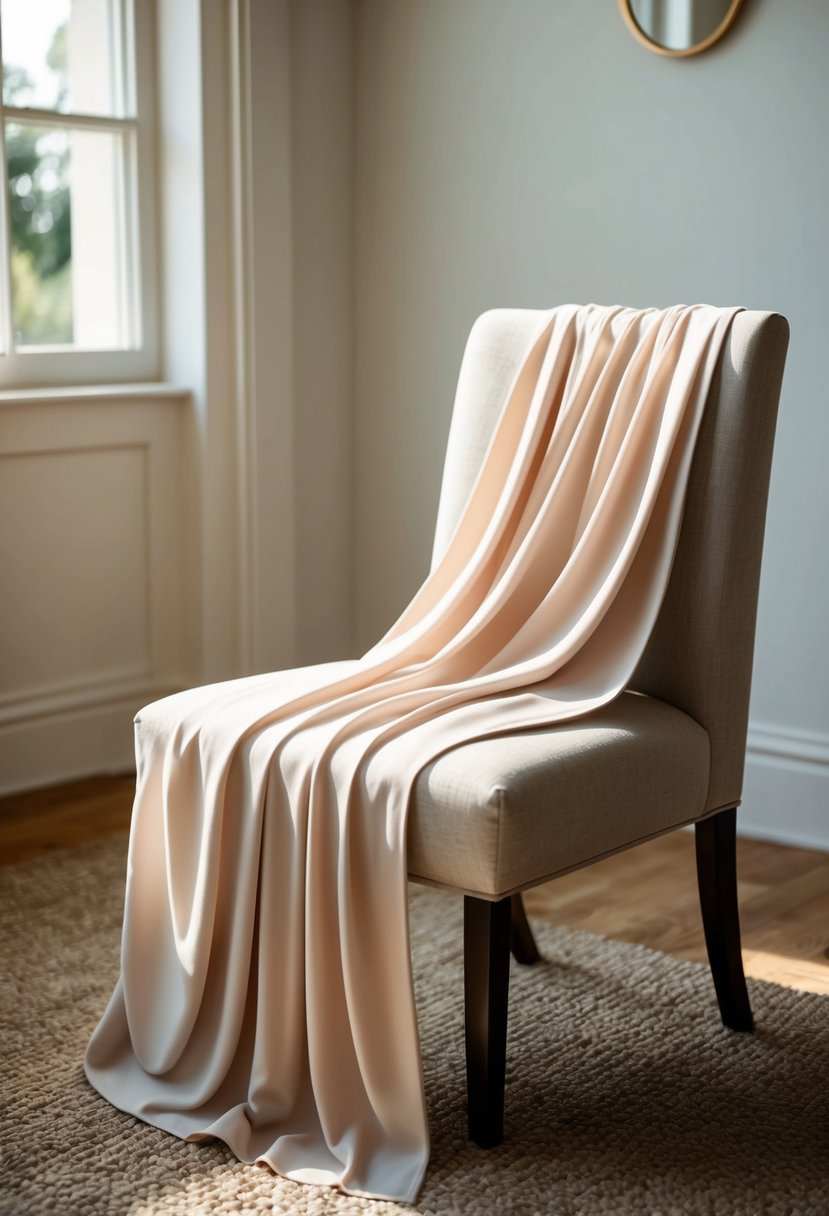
63,55
67,238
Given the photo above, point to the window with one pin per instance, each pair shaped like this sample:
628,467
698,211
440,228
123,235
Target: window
77,203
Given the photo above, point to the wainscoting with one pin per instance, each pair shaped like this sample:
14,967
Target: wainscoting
91,547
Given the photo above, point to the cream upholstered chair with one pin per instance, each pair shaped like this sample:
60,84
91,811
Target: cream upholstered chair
493,817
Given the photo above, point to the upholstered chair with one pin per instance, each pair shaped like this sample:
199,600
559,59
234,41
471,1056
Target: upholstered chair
494,817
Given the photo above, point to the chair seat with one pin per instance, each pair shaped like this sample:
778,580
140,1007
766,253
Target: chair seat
495,815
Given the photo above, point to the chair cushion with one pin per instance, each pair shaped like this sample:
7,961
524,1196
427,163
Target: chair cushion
495,815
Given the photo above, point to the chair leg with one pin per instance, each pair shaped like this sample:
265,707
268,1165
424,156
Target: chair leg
524,949
486,944
716,840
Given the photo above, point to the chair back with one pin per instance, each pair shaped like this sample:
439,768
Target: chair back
699,655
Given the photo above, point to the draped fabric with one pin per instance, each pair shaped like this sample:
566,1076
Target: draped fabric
265,995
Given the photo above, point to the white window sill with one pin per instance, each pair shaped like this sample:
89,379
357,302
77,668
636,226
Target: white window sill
154,390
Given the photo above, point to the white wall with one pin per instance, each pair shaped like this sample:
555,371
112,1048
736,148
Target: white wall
94,534
90,553
197,345
533,153
291,106
154,537
290,110
119,535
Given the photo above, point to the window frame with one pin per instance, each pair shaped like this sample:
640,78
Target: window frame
51,366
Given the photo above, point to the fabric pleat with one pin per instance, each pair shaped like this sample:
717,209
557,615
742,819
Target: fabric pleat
265,995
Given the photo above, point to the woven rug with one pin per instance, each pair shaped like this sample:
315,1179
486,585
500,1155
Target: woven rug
624,1092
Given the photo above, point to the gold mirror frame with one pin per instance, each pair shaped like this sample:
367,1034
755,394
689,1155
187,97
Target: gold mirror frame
642,37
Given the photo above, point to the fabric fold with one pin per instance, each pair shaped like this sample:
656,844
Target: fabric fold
266,993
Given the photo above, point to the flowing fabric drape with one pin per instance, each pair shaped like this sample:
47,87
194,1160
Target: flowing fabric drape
265,995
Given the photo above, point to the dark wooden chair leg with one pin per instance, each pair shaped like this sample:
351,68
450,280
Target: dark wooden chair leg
716,839
487,930
524,949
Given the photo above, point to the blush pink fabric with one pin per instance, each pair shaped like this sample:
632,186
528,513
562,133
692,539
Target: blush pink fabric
265,996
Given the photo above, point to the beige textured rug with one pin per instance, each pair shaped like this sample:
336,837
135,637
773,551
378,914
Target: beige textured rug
625,1094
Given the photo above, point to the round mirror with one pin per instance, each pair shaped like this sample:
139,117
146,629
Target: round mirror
679,27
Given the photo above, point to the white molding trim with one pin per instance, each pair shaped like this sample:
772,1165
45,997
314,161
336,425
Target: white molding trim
77,449
139,359
786,787
787,743
86,736
45,703
153,391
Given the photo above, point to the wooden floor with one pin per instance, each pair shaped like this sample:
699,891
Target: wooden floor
646,895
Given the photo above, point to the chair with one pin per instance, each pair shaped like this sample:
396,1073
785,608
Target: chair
494,817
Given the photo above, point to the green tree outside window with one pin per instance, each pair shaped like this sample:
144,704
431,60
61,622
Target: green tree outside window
40,212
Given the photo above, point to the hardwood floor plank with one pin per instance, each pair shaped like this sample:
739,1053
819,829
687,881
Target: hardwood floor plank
790,973
63,816
648,895
759,861
767,906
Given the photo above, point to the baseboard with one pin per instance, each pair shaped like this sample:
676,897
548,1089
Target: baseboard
786,787
72,741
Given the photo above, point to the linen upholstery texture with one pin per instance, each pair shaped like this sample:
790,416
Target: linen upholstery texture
503,813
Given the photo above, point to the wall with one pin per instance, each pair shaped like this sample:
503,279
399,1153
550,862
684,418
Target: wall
321,181
289,309
90,549
154,537
93,535
534,153
343,189
290,105
118,532
195,276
